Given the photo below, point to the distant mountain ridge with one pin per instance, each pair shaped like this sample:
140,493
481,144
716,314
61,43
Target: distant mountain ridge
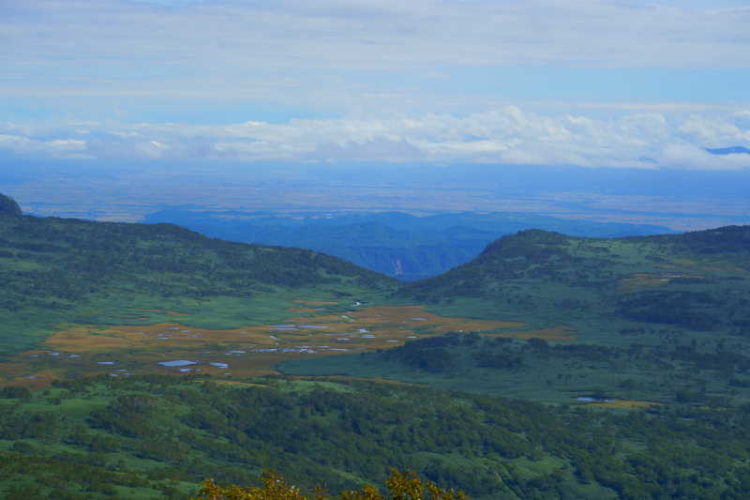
401,245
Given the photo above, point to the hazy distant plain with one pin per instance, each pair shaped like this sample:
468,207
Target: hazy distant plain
680,200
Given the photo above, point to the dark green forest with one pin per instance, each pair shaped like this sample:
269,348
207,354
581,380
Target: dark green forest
160,436
712,374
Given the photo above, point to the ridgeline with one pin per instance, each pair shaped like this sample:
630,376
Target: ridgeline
9,206
57,271
698,280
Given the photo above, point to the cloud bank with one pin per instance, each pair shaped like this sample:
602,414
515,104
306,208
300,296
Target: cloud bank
623,83
347,53
505,135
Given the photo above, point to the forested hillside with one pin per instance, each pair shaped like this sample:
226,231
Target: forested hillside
9,206
625,321
158,437
700,280
65,270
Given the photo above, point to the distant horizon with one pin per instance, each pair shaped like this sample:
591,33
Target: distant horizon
130,191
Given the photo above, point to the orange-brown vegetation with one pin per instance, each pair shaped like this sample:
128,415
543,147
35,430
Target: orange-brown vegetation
622,404
237,383
562,333
400,486
164,311
241,352
344,378
640,281
409,318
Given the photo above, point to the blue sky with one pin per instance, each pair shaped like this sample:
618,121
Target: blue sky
625,83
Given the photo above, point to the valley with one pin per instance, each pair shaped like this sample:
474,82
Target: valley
559,315
137,360
401,245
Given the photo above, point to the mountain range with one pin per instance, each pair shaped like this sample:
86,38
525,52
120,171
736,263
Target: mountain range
401,245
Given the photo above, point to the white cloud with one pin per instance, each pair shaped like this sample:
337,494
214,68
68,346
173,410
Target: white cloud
56,148
688,156
505,135
717,132
379,65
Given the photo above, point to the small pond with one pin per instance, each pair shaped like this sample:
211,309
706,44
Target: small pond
178,362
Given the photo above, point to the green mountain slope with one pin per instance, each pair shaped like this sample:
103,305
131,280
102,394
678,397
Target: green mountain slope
55,270
659,318
697,280
9,206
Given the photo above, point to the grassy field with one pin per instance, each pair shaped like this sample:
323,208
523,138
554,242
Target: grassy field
310,329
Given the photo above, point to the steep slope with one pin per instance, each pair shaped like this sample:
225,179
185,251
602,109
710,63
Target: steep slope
698,280
56,270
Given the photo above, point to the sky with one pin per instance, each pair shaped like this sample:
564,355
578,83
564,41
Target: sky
593,83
